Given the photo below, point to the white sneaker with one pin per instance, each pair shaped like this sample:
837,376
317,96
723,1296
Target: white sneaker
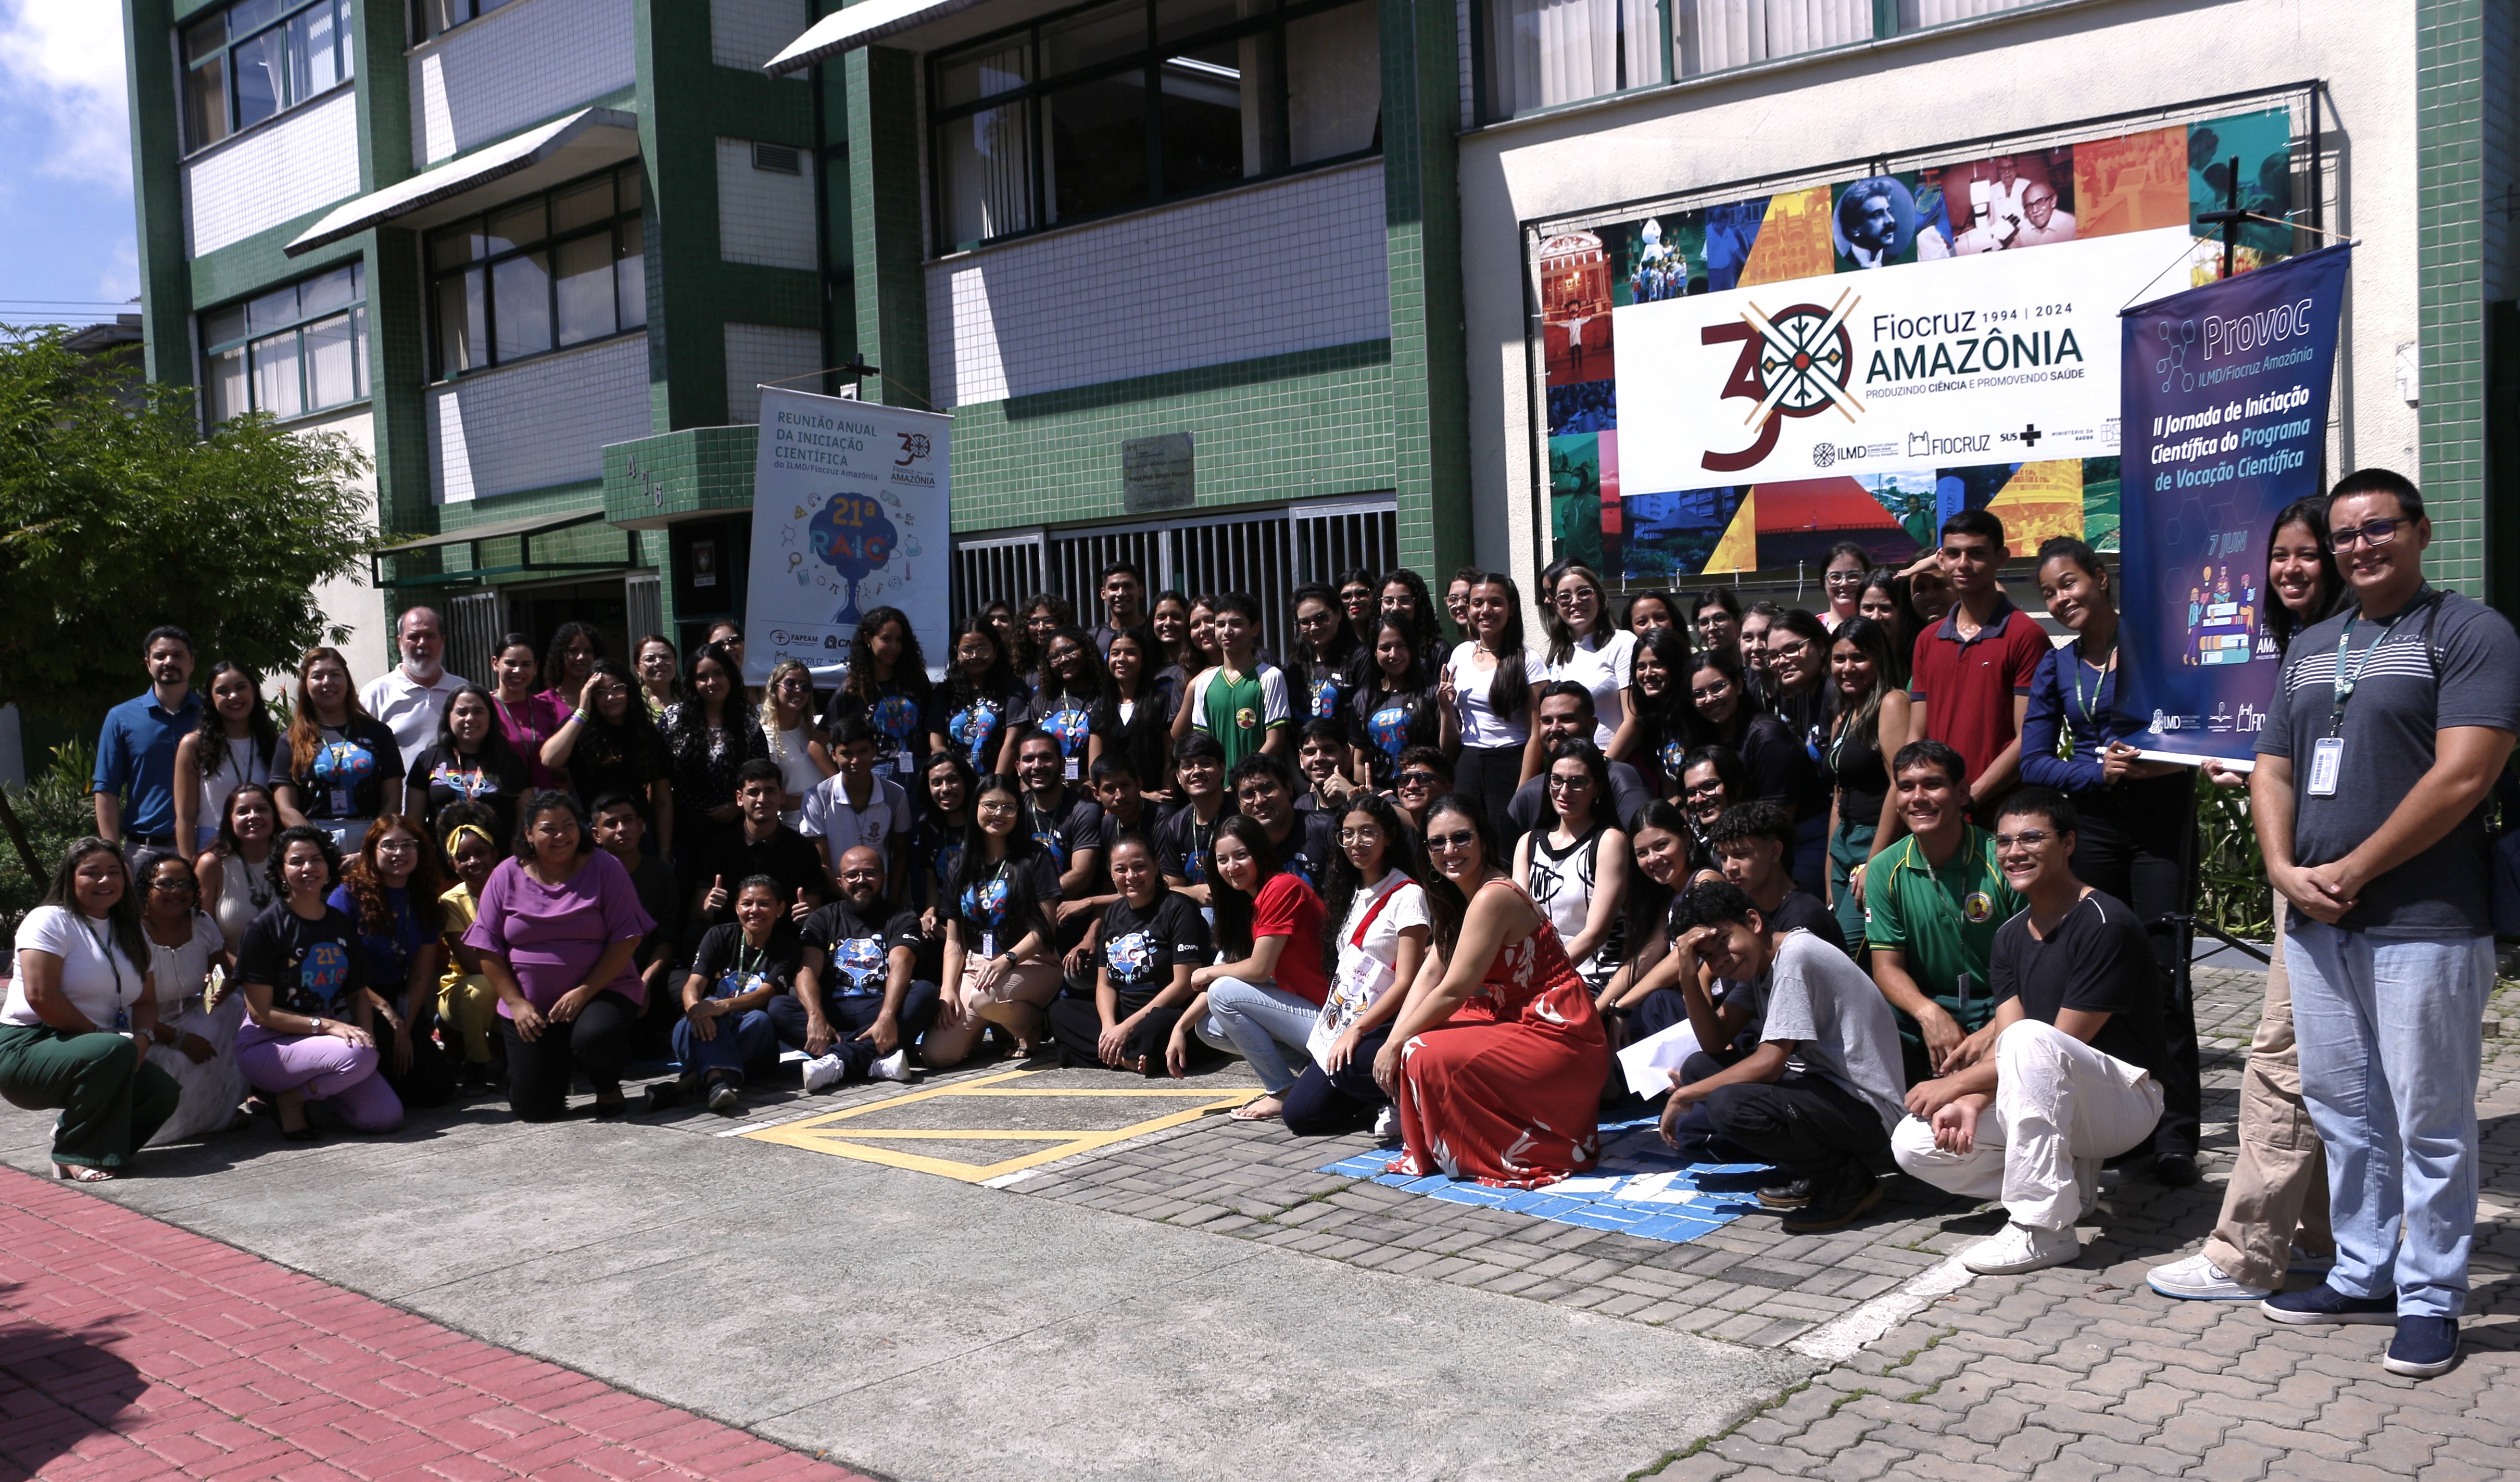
2198,1279
1386,1126
825,1072
892,1068
2016,1248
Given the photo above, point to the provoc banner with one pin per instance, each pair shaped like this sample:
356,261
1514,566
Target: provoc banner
850,512
2225,415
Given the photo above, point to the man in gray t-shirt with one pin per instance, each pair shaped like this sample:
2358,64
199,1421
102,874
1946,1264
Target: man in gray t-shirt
1821,1090
2390,723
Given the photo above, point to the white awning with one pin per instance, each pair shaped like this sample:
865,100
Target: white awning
564,149
861,24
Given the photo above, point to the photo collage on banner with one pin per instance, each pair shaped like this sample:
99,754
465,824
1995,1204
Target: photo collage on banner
1739,386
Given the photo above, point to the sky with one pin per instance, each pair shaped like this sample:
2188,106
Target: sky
65,174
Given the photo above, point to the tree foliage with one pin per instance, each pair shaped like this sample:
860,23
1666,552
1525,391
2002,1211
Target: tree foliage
118,516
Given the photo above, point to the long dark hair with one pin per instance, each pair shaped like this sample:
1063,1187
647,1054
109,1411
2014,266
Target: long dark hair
1744,709
1335,654
122,917
1729,770
1509,689
1802,625
1672,714
1342,882
2312,513
1425,625
1022,846
1142,740
960,688
1650,901
1602,811
1870,635
227,815
555,656
970,782
910,671
611,742
210,753
1233,908
367,883
1562,638
274,869
691,712
1093,681
1445,905
494,747
549,800
1370,668
1902,614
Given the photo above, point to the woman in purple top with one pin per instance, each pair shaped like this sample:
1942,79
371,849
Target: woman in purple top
555,929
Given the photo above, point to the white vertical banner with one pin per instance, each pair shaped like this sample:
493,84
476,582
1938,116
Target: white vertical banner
850,512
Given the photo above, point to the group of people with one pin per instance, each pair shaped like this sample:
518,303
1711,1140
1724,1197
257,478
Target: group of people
1881,882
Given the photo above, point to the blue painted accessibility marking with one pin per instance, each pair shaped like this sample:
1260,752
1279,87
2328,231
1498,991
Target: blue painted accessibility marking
1640,1186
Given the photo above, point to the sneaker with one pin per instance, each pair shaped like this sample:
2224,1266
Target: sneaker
2018,1247
1834,1204
826,1072
892,1068
2198,1279
2423,1347
2307,1264
2325,1304
1387,1127
1786,1194
724,1095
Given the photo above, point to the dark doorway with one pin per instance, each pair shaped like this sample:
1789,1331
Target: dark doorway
537,612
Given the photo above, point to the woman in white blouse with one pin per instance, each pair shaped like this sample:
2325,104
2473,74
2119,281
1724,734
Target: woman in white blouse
1492,685
1586,647
1373,958
74,1032
194,1038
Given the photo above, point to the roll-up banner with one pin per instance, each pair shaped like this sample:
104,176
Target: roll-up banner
2225,410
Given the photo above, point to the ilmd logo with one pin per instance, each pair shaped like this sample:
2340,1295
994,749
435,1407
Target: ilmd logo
1794,364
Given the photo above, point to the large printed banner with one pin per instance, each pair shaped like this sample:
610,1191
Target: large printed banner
850,512
1739,386
2225,411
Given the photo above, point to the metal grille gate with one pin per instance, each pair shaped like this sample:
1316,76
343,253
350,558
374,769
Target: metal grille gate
1266,553
475,621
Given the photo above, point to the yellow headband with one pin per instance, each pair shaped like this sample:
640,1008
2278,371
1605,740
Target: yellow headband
475,830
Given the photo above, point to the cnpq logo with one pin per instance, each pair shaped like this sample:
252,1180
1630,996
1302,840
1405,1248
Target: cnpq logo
1794,363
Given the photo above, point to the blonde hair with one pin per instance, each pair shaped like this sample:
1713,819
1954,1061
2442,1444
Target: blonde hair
770,705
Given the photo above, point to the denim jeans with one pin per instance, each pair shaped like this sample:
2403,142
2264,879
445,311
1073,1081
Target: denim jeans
2401,1142
1259,1021
743,1040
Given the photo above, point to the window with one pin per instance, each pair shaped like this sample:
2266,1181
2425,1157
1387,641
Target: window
295,350
436,17
261,57
1131,101
540,274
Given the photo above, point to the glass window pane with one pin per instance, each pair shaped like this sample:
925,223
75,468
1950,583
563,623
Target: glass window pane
272,311
1203,119
329,291
988,173
463,324
331,363
347,34
1711,35
223,326
205,102
1542,53
224,382
1175,18
1098,146
359,348
584,205
586,303
203,41
274,375
630,277
520,308
259,67
438,16
1335,83
1099,34
253,15
977,77
517,226
456,245
313,63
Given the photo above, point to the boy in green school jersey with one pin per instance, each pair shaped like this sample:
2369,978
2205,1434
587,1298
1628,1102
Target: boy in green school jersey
1242,702
1933,901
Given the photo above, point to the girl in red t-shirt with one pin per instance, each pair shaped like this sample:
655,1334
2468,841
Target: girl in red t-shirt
1266,988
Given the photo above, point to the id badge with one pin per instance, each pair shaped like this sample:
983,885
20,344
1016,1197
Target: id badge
2326,762
988,944
904,765
121,1019
1072,769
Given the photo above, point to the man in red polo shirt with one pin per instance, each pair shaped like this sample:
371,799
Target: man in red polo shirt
1971,683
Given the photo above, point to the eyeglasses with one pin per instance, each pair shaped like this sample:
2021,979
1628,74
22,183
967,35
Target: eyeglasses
1445,843
1846,578
1359,836
2027,839
1711,692
1705,789
171,888
1415,780
1796,649
2374,532
1569,783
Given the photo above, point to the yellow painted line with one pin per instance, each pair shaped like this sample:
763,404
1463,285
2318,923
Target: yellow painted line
825,1134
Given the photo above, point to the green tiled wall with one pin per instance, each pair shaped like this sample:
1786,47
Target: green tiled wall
2461,176
672,474
1430,440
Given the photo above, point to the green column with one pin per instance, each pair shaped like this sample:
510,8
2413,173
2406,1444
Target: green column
2451,275
686,332
158,190
1422,230
891,289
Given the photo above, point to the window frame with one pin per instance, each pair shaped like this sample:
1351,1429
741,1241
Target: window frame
549,245
345,50
1149,60
416,12
355,309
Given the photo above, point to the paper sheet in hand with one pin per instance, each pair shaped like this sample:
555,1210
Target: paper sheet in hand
1648,1061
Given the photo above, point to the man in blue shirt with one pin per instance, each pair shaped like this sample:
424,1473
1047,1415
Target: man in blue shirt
135,755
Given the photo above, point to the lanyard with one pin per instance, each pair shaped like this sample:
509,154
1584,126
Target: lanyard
2346,683
2087,704
113,960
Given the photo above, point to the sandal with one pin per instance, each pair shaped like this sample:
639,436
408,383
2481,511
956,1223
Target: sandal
81,1172
1262,1109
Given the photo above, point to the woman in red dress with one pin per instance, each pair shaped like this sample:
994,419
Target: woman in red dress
1498,1059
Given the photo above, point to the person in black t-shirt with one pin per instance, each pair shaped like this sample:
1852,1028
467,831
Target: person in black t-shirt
1151,938
2066,1074
1265,793
302,968
760,846
1754,846
737,970
1068,826
620,828
1182,840
857,1008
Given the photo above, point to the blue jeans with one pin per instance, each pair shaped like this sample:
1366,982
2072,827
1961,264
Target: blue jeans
743,1039
1257,1021
2401,1142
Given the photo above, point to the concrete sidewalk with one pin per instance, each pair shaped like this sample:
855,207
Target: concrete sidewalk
921,1327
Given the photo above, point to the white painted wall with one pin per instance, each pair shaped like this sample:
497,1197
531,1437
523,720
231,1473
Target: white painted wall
289,166
527,61
350,601
538,424
745,34
2027,71
764,216
1296,265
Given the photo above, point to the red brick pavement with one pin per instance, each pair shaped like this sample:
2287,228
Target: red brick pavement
130,1349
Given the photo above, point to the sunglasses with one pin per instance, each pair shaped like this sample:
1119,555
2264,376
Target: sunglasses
1445,843
1415,780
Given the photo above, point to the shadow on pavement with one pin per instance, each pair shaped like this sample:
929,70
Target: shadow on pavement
58,1386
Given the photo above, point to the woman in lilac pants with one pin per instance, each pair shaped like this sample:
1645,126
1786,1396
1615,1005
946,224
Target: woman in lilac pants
306,1035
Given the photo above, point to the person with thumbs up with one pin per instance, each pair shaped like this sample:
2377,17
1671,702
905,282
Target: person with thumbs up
762,845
